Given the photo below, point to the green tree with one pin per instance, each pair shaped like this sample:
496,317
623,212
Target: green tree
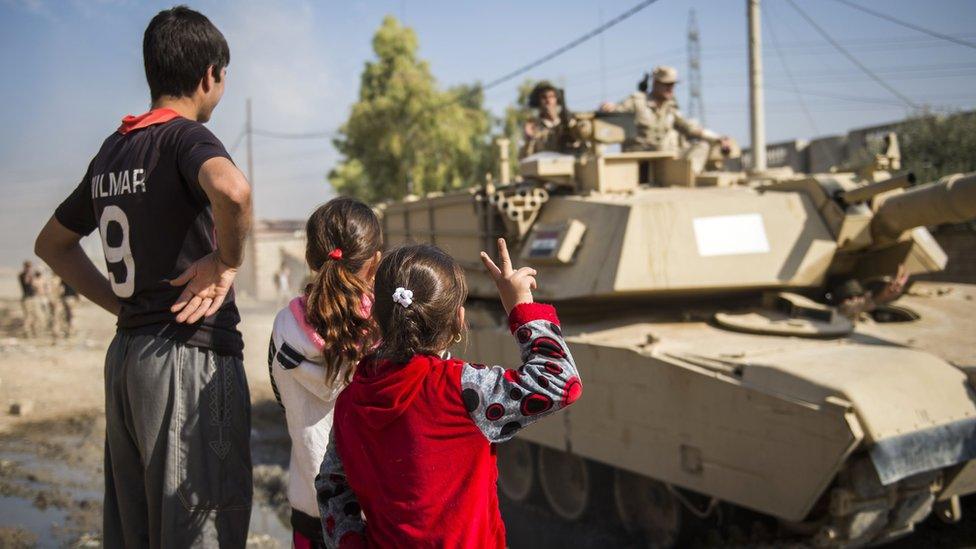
404,135
936,145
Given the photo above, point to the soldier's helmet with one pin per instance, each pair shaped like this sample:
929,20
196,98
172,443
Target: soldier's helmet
661,73
665,74
535,97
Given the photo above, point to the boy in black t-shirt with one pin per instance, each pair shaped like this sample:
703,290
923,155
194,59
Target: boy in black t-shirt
172,212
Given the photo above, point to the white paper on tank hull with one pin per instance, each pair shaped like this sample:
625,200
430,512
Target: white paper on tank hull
730,235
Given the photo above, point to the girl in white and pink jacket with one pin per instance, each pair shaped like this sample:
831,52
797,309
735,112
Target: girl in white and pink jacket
317,341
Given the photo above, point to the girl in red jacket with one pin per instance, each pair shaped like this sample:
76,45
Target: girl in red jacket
412,437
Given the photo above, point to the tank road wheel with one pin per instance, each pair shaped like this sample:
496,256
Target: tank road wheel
565,480
646,507
516,469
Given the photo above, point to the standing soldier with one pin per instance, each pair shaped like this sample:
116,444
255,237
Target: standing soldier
282,283
549,129
69,299
660,126
55,297
31,299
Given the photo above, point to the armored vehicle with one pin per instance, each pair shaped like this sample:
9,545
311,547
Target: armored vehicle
714,368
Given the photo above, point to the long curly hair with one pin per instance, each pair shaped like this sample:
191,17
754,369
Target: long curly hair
342,236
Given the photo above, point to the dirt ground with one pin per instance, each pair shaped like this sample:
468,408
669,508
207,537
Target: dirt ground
51,457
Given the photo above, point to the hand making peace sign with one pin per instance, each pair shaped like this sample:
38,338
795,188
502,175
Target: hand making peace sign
514,286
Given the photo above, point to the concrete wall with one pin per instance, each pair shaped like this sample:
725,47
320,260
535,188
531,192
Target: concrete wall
870,139
826,152
791,154
822,153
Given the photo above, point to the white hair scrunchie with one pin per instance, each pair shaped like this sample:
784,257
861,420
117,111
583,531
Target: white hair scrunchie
403,296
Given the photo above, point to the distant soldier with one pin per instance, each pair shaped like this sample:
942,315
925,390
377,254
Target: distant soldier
282,283
54,291
32,299
549,129
69,300
660,126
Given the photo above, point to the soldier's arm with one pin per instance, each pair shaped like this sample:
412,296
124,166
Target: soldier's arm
208,280
529,133
689,129
60,248
627,105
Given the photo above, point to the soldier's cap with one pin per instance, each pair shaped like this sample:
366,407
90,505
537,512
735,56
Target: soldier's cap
665,74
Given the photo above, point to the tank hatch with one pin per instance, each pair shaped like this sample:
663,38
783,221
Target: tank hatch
788,314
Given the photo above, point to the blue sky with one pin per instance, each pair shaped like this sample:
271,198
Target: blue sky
72,69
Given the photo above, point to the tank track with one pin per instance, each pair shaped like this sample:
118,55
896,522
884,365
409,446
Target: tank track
857,511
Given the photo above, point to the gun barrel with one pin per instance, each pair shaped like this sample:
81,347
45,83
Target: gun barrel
871,190
950,200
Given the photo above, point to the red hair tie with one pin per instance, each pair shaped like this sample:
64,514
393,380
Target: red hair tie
336,254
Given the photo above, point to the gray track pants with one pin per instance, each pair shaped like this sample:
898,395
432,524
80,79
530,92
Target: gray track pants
177,449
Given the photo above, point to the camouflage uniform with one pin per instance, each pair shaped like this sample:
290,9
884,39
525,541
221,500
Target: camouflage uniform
32,302
69,300
661,127
550,135
60,326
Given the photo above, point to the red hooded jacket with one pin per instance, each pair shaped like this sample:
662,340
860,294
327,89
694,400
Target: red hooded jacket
414,441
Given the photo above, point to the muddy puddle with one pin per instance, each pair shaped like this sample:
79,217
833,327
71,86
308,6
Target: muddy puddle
51,484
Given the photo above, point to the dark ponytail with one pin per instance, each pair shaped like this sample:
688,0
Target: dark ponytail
431,322
342,236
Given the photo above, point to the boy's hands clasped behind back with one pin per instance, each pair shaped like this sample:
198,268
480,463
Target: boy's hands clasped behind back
514,285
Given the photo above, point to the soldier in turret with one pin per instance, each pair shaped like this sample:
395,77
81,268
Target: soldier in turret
549,129
853,300
660,126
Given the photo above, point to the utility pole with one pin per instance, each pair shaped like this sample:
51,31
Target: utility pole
603,60
252,238
756,115
696,104
248,127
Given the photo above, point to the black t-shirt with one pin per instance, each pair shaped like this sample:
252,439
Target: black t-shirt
141,192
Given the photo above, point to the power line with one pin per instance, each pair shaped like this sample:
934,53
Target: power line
844,76
568,46
238,140
906,24
851,57
672,57
496,82
841,97
480,89
293,135
789,73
